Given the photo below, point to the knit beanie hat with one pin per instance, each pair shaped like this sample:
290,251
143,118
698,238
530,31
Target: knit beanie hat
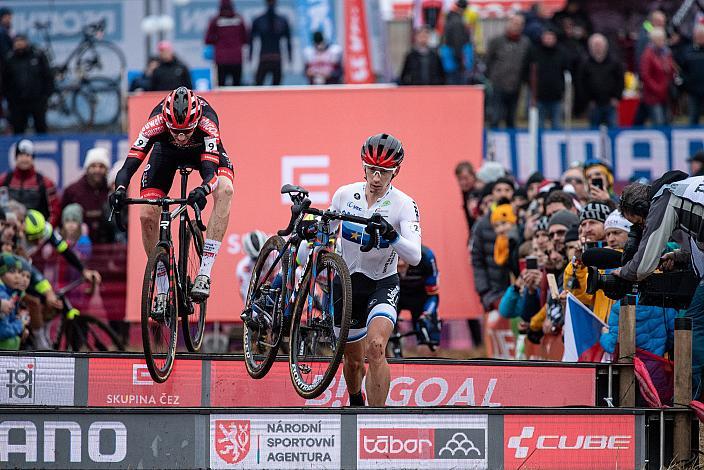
7,262
542,225
603,167
72,213
97,155
617,221
503,213
595,211
565,218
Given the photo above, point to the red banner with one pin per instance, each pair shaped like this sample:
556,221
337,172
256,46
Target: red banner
416,385
127,383
569,441
306,143
358,66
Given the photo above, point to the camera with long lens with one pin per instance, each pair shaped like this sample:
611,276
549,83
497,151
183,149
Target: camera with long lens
673,289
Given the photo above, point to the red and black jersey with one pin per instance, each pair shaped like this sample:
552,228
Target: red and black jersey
204,145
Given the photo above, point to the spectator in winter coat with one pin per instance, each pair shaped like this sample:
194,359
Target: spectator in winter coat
655,327
602,82
227,32
490,279
323,61
656,19
171,72
544,70
422,65
144,81
27,83
29,187
11,325
456,37
5,29
91,193
537,21
270,28
693,74
504,59
657,72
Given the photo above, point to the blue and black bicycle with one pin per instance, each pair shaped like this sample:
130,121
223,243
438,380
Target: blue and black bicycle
309,303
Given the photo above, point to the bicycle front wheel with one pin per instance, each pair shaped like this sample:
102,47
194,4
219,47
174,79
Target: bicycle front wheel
159,314
316,343
193,316
264,323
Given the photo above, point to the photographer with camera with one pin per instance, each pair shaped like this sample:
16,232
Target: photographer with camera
671,208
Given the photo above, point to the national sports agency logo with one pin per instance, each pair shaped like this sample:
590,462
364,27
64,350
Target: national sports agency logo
578,441
232,439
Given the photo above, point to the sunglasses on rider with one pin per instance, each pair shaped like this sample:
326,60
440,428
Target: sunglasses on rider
383,171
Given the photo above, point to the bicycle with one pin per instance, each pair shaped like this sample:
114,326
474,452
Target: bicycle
72,330
83,98
322,296
160,331
395,345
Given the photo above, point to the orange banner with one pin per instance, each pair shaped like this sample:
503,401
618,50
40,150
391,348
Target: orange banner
313,137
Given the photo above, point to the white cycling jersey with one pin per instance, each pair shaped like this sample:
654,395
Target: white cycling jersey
398,209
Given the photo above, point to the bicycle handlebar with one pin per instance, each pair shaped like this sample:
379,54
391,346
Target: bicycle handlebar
304,208
164,201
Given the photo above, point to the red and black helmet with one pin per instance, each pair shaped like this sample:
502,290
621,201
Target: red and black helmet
182,109
382,150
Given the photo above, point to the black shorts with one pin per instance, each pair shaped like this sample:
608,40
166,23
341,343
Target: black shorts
370,299
159,172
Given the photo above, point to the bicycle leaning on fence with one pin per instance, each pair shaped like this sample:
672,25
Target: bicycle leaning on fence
308,313
160,329
88,82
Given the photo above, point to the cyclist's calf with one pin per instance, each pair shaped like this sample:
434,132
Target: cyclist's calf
149,218
222,197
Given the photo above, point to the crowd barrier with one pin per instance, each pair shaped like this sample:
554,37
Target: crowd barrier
122,380
349,438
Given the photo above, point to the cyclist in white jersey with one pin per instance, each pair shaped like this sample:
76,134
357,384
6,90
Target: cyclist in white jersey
252,243
375,282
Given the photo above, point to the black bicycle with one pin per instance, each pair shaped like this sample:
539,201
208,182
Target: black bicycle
166,289
73,330
304,306
88,81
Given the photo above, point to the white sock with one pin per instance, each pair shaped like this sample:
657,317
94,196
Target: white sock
162,280
210,251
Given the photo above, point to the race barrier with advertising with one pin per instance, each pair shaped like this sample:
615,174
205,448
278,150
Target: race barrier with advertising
351,438
303,142
208,380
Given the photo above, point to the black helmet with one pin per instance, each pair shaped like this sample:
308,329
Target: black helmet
382,150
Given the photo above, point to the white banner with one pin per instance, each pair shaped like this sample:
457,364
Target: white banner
274,441
37,381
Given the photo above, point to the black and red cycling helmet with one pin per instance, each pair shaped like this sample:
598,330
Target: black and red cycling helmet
181,110
382,150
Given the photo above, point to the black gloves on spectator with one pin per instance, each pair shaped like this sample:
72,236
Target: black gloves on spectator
198,197
117,198
534,336
386,230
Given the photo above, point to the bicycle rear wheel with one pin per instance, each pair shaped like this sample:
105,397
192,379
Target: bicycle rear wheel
263,306
316,346
87,333
159,329
193,317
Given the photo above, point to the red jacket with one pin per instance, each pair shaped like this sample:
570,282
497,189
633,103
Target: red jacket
25,187
657,71
228,33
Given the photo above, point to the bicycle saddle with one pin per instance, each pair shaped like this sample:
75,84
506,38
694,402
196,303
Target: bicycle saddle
290,188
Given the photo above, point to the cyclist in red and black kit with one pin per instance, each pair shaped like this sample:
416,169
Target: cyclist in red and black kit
182,129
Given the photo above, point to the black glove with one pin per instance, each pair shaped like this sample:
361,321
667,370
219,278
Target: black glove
534,336
198,197
386,230
117,198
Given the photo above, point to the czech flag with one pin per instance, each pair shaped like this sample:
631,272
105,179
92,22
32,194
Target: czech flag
582,331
